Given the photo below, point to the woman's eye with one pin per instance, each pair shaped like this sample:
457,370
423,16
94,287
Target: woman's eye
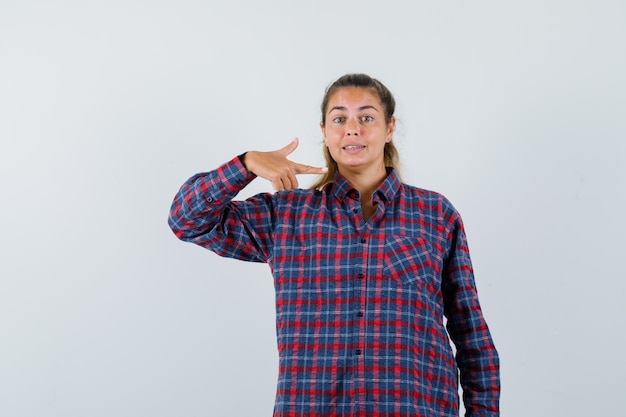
366,118
339,119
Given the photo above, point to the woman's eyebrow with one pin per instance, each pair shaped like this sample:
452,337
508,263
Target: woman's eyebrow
343,108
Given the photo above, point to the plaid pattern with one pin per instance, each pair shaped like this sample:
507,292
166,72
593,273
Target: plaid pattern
360,306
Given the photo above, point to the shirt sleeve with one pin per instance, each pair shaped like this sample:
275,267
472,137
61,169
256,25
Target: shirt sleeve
476,355
204,212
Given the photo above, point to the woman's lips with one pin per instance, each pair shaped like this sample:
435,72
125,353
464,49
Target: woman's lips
352,149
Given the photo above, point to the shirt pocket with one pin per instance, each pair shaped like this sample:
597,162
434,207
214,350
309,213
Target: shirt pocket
409,260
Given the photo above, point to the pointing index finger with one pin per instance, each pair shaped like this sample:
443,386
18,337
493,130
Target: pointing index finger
308,169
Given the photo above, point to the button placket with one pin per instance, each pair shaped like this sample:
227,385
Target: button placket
359,309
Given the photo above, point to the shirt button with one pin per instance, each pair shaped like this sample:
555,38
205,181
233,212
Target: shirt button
209,199
361,276
358,351
359,314
363,240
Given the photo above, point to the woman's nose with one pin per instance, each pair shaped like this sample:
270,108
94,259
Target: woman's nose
352,127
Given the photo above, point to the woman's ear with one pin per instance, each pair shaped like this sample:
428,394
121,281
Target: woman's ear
391,127
323,134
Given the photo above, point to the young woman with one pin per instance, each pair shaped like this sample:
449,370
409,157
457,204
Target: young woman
366,270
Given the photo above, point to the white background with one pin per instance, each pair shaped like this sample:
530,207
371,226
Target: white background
516,111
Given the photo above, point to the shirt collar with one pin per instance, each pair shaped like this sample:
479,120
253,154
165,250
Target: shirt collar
385,192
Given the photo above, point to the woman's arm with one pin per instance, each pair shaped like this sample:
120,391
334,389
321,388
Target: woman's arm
203,212
476,356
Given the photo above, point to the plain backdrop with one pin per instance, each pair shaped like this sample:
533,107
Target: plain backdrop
515,111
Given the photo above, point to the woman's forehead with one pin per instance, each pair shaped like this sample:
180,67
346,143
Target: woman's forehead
353,96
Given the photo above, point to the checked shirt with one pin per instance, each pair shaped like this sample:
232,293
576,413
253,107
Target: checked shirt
361,306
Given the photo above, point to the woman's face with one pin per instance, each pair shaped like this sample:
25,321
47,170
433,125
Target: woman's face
356,130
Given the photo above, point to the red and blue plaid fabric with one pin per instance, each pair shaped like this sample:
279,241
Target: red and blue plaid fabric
361,306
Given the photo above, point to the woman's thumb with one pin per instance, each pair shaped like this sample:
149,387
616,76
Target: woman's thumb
289,148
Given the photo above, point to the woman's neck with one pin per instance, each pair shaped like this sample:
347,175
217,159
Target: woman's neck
365,183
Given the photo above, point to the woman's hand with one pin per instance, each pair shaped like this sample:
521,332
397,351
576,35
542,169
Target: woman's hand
276,168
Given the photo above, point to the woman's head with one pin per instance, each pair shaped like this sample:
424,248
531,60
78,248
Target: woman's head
361,81
364,89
